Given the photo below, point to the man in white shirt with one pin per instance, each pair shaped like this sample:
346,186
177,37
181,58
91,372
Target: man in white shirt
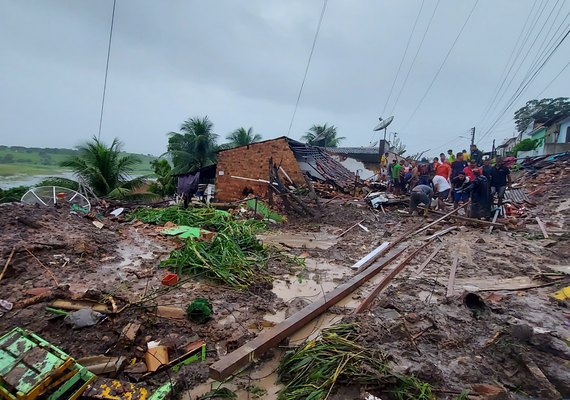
441,188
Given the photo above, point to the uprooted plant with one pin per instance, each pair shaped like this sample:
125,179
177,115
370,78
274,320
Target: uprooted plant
234,256
312,370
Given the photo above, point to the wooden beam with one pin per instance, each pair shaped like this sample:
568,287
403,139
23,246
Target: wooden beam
349,229
451,282
386,280
467,219
441,233
542,228
232,362
437,221
370,257
429,258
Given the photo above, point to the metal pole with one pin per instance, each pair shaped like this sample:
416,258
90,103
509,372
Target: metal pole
472,136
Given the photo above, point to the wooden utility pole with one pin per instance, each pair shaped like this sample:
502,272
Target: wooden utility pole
472,136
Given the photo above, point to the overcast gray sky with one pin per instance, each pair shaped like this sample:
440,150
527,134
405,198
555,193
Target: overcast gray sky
242,62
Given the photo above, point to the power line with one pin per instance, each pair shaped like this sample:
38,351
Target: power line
552,81
444,61
403,57
415,57
524,85
543,4
503,76
308,64
107,69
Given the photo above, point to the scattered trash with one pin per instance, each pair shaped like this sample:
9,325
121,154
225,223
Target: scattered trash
155,356
117,212
199,311
84,318
562,294
130,331
102,364
98,224
5,306
74,305
170,280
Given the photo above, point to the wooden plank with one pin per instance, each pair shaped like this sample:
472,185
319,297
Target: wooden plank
467,219
391,245
437,221
542,228
371,257
452,272
441,233
351,227
244,355
386,280
429,258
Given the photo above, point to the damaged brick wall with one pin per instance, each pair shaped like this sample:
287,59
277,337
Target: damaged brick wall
253,162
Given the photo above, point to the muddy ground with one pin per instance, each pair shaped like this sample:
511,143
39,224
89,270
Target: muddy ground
500,331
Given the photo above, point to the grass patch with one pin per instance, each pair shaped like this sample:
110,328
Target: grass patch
16,169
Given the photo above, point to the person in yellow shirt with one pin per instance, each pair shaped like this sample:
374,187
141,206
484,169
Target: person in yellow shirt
384,160
466,156
450,156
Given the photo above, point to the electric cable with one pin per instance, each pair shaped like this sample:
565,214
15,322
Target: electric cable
552,81
107,69
443,63
403,57
308,64
415,57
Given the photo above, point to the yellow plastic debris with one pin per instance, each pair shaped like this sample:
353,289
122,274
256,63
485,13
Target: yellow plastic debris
562,294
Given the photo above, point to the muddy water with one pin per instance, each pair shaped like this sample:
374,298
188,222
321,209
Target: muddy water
320,277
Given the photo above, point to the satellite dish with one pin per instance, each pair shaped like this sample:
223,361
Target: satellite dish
383,123
52,195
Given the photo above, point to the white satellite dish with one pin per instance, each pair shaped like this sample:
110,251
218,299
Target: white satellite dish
384,123
52,195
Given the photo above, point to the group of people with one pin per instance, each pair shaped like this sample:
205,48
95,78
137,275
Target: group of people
459,177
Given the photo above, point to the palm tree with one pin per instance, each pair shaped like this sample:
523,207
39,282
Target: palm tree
194,146
103,167
242,137
322,135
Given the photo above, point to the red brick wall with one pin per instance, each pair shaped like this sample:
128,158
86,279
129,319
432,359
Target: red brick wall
253,162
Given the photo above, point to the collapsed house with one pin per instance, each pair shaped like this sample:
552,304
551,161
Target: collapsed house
246,170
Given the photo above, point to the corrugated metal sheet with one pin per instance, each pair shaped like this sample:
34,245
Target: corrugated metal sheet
516,196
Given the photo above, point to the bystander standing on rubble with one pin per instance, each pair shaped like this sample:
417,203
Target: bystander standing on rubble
458,184
469,168
435,163
458,165
424,173
476,154
480,196
442,158
450,156
397,176
444,169
500,179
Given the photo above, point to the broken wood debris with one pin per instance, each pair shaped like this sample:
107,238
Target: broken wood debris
542,227
241,357
452,272
7,263
437,221
429,258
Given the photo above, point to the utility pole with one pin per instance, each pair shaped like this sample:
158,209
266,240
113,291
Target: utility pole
472,136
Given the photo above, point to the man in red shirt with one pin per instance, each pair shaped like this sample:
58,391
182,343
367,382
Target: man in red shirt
468,170
444,169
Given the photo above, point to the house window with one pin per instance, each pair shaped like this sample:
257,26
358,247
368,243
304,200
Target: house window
568,134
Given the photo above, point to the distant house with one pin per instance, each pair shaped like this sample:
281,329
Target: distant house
557,138
506,147
362,160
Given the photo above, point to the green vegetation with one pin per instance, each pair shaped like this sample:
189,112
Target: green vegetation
219,393
312,370
165,184
19,160
233,257
541,111
105,169
194,146
12,194
525,145
322,135
199,311
242,137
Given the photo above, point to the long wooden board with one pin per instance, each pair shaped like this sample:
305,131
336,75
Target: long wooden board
247,353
